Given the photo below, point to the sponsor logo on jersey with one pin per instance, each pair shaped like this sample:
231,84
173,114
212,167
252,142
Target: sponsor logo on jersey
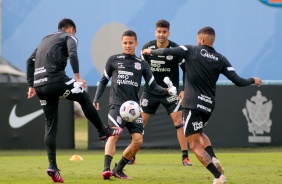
205,98
276,3
206,54
152,47
121,57
197,125
230,69
120,65
257,113
169,57
203,107
40,80
137,66
39,70
123,78
156,66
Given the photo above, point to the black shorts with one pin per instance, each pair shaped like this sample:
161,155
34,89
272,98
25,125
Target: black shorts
194,121
57,90
115,120
149,103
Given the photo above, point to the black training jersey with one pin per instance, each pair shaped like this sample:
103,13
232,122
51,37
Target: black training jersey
48,61
203,65
126,72
163,66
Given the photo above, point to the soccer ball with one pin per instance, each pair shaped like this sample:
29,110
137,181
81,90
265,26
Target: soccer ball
129,111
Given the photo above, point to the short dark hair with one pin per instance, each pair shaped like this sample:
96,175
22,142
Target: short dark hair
163,23
207,30
129,33
66,23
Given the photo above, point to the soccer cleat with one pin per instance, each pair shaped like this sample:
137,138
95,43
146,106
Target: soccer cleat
103,136
132,161
55,175
221,180
120,174
186,162
218,165
107,173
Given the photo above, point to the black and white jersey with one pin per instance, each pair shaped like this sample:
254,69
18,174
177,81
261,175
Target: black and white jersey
126,72
203,65
163,66
48,61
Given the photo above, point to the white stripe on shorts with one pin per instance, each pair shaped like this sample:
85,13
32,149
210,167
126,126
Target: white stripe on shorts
187,120
112,120
178,105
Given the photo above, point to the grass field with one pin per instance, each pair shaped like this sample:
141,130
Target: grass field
242,165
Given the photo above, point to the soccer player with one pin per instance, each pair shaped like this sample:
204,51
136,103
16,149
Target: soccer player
47,78
164,66
203,65
126,71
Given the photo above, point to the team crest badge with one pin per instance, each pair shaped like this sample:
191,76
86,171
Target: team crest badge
257,113
144,102
119,120
137,66
170,57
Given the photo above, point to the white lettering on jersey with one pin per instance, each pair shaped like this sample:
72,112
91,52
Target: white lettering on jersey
156,66
40,80
205,98
121,57
230,69
123,78
205,53
39,70
203,107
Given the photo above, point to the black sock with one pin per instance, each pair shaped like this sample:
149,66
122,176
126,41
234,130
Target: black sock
211,167
121,164
107,161
184,154
210,151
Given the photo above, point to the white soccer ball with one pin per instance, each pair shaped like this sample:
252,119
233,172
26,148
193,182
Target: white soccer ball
129,111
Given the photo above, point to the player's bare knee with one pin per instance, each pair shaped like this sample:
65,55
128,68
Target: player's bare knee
137,142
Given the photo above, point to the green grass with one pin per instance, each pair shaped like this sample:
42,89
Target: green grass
156,166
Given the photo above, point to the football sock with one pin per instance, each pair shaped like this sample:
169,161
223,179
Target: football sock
184,154
123,161
107,161
211,167
210,151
